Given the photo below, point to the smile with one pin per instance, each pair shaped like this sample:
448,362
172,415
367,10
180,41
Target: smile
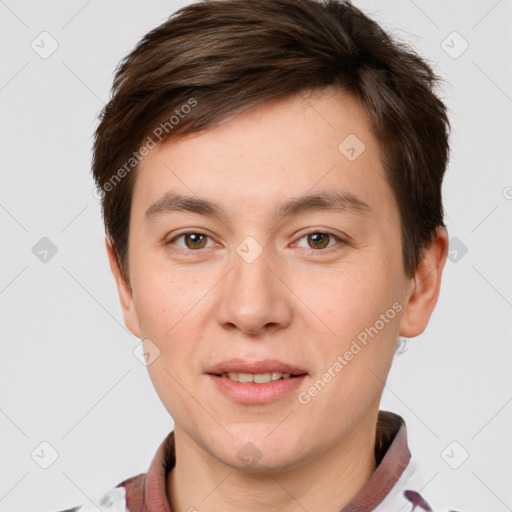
257,378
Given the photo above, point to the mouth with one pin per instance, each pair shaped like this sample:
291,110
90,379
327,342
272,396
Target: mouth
257,382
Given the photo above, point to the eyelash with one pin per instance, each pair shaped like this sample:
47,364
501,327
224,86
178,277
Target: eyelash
308,249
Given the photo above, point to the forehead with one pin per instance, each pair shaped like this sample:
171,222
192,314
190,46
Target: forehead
301,144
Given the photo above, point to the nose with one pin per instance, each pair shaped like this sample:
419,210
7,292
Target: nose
253,297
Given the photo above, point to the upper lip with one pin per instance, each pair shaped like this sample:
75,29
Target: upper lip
264,366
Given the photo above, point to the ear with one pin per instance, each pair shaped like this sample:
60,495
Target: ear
125,292
425,287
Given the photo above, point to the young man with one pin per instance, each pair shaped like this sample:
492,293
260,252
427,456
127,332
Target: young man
271,175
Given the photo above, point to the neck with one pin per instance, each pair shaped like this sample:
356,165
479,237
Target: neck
323,483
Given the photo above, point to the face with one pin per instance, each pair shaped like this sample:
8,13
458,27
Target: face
251,275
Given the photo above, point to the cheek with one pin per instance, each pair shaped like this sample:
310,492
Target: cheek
169,309
360,317
356,357
163,298
172,308
347,299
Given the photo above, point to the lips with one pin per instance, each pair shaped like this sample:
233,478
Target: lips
256,382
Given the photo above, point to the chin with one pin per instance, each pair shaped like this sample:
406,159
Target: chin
262,465
255,453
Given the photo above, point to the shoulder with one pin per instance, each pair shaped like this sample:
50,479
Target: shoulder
129,492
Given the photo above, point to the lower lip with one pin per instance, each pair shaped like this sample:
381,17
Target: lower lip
250,393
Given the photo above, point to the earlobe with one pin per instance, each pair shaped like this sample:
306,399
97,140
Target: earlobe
125,292
425,287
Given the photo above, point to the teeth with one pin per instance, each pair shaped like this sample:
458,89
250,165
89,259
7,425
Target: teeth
245,377
258,378
261,378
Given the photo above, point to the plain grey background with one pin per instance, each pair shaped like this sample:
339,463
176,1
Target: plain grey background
68,374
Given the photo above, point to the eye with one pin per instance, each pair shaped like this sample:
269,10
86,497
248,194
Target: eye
192,240
319,240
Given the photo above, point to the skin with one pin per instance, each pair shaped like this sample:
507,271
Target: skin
298,302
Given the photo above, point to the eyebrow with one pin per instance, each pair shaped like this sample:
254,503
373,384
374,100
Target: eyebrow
341,201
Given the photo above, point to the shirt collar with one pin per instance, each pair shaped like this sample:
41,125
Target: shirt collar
148,492
392,455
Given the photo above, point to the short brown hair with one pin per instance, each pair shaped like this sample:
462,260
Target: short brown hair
218,58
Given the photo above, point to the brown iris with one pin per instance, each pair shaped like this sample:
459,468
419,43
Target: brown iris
320,240
195,240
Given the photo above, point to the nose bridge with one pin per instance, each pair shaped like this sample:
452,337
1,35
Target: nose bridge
252,276
252,296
